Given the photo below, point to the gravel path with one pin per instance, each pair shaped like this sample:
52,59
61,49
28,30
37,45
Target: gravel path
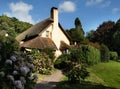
50,82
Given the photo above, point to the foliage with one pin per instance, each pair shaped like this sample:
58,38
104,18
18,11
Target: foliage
96,45
16,73
43,64
113,56
50,52
8,45
102,76
76,72
116,38
15,68
62,61
105,32
73,65
85,54
104,53
12,25
90,36
77,33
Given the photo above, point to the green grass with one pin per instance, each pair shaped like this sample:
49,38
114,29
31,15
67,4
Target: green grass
102,76
109,73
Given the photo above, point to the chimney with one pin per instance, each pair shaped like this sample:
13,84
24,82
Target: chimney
54,16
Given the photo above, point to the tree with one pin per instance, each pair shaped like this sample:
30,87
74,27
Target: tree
12,25
104,34
116,38
77,33
90,35
104,53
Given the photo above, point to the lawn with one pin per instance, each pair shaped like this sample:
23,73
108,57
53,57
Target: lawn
109,73
102,76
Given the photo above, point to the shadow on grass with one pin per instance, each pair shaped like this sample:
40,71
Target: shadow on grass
46,85
82,85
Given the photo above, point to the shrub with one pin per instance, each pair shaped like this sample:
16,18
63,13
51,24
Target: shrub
50,53
16,73
104,53
113,56
76,72
43,64
92,55
85,54
15,68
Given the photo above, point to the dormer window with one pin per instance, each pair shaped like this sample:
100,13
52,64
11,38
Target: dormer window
47,33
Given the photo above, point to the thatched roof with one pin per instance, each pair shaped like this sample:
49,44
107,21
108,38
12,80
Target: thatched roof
34,30
64,46
39,43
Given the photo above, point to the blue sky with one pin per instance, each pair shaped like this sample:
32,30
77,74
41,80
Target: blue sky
92,13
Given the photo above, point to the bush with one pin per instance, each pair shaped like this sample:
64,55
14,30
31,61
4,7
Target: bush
92,55
43,64
104,53
76,72
62,61
16,73
113,56
15,68
85,54
50,52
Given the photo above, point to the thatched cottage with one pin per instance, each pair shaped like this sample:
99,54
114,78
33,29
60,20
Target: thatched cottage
46,34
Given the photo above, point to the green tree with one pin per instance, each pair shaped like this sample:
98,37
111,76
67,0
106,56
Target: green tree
12,25
77,33
116,38
104,34
104,53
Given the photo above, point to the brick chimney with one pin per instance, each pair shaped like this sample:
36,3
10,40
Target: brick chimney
54,16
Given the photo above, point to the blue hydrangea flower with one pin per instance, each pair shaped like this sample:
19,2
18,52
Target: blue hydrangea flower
35,76
24,70
30,58
15,72
8,61
13,58
18,84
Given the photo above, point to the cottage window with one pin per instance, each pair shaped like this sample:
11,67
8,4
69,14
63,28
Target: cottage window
47,33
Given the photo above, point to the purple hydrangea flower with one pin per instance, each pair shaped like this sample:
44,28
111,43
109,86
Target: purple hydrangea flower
18,84
24,70
13,58
30,58
15,72
35,76
31,66
8,61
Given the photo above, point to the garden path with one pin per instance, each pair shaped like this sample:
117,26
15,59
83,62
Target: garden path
50,82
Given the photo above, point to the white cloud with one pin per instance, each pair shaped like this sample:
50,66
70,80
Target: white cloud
115,10
93,2
21,11
101,3
106,4
67,6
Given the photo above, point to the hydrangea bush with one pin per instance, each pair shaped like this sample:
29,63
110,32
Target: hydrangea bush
42,62
16,69
16,73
